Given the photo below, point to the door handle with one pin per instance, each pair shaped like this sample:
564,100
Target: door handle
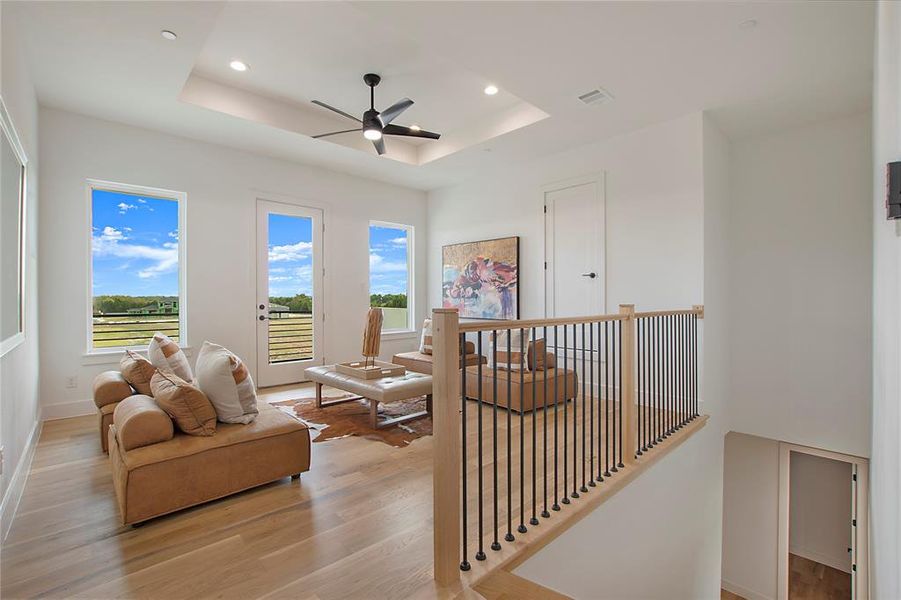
591,275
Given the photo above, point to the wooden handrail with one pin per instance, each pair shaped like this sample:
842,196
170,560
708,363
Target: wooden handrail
496,325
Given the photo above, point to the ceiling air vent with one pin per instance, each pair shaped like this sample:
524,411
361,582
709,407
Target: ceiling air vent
595,96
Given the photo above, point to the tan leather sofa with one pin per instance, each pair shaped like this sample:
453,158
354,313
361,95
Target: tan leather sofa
420,362
158,470
527,401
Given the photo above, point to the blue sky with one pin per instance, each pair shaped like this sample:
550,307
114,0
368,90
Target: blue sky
387,260
290,255
134,244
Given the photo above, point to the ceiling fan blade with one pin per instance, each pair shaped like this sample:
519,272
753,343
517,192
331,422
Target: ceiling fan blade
333,109
401,130
322,135
379,145
393,111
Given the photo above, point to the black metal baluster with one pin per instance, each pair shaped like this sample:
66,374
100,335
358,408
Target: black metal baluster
565,495
534,519
544,513
556,505
601,419
639,324
523,363
480,555
509,535
575,492
666,376
613,373
621,412
591,366
696,373
683,418
672,373
606,400
495,545
660,390
464,563
584,377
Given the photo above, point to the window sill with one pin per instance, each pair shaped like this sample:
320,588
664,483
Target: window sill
112,356
400,334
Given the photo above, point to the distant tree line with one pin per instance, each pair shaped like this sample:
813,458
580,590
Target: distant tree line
121,304
298,303
388,300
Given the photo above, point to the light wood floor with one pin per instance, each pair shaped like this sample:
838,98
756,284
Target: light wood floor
357,525
809,580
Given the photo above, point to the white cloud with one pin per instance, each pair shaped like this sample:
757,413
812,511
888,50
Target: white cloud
124,208
174,234
378,264
399,241
298,251
109,243
142,201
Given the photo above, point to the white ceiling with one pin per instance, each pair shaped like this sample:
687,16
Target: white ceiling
804,61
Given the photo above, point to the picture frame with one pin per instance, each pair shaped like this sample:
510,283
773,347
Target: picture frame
481,278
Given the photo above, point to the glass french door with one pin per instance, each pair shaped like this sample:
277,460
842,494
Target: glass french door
289,311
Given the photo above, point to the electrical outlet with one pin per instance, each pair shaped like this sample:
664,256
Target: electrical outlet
71,383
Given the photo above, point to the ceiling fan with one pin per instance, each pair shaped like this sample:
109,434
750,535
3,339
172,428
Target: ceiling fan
375,124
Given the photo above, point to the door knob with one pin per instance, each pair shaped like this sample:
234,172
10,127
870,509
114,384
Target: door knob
262,317
592,275
262,307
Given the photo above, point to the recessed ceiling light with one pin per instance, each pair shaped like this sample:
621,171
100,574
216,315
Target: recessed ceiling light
168,35
238,65
748,24
490,90
415,127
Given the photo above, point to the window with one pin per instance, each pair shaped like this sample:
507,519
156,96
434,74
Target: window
136,266
391,274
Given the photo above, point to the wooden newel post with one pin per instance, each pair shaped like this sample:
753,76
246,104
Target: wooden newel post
630,421
446,472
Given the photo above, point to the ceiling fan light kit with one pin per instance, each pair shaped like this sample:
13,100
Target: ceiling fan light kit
376,124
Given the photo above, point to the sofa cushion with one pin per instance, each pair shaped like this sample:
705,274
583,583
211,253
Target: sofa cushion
165,353
138,371
539,358
224,378
110,387
187,405
140,422
422,363
270,422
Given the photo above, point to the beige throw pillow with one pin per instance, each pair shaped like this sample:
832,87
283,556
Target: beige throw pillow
539,358
425,344
137,371
188,407
516,359
224,378
165,353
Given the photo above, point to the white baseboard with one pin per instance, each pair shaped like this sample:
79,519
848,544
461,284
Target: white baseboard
17,483
73,408
742,591
823,559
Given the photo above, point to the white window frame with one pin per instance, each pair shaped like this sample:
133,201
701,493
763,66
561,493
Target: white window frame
411,305
137,190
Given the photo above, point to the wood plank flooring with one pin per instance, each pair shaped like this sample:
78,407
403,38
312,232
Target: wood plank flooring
357,525
809,580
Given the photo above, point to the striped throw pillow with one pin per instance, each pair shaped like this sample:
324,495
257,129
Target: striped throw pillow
425,344
516,359
165,354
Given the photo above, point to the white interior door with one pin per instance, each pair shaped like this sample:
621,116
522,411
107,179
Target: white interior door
575,274
289,309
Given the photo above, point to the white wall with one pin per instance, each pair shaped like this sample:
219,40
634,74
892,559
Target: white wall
820,510
799,289
658,184
750,516
885,474
654,216
19,406
222,186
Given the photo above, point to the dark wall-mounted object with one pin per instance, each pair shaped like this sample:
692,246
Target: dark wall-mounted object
893,190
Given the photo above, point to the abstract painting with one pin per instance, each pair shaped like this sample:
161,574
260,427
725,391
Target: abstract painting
481,279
